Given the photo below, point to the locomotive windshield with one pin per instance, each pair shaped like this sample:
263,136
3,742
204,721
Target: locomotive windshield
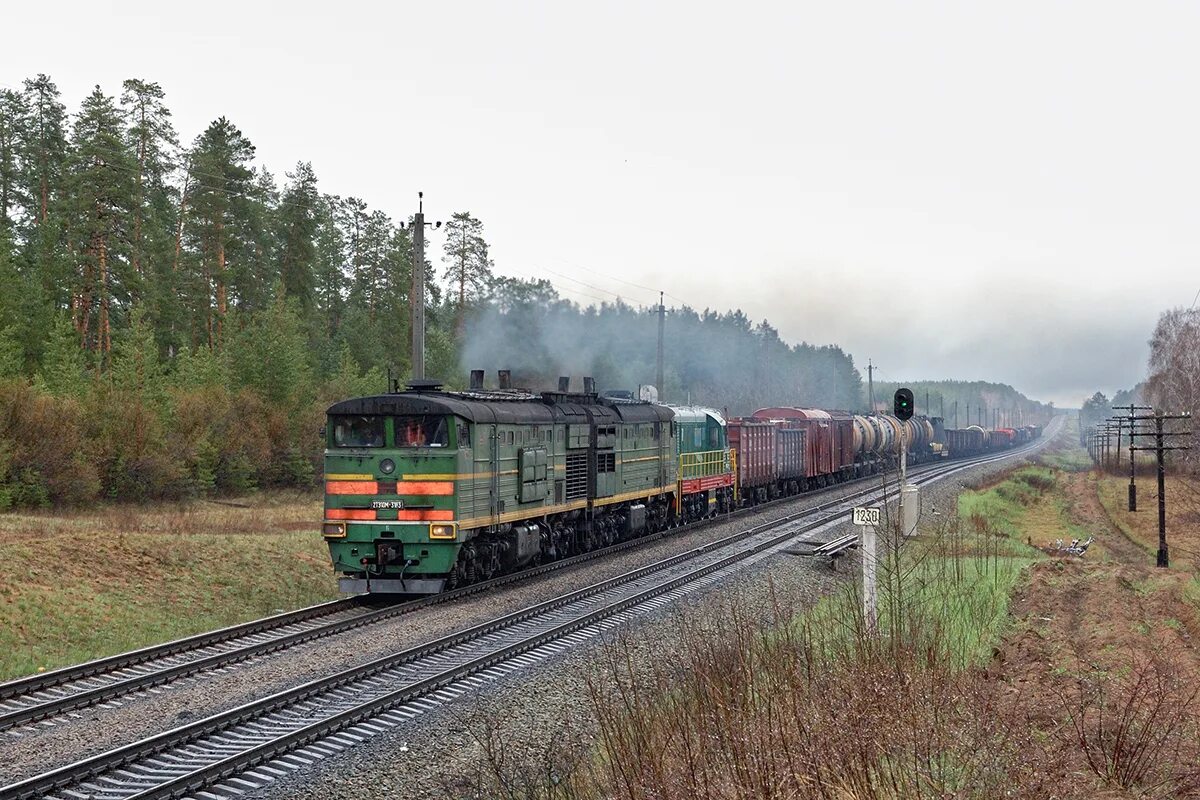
358,431
421,431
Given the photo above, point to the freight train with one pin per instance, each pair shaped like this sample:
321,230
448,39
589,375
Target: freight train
426,490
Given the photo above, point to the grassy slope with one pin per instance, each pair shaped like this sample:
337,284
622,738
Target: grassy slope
946,606
81,586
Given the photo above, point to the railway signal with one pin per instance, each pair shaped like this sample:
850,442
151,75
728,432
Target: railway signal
902,404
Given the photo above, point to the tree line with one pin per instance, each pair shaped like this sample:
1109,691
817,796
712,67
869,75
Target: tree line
1173,375
174,317
965,403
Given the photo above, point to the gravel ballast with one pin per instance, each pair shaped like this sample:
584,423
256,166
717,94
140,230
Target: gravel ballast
36,748
530,724
413,758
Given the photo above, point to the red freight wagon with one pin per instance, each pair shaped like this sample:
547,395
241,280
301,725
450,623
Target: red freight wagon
818,426
844,451
754,442
1002,437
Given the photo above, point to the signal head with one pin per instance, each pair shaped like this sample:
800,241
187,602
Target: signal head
902,404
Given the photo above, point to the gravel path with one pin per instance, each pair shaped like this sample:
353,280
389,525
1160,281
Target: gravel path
532,724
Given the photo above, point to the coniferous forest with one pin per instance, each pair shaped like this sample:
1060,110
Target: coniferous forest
175,317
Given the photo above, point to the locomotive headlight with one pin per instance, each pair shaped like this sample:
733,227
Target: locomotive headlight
387,466
442,530
334,530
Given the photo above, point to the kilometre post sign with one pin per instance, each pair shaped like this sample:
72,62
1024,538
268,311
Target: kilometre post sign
866,516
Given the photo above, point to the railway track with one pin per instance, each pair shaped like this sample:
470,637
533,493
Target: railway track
339,710
52,694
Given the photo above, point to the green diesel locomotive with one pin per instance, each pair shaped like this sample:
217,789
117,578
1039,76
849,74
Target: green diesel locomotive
426,490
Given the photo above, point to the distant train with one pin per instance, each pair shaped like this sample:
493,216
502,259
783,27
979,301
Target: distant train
426,490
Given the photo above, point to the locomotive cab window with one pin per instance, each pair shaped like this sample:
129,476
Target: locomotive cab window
416,430
357,431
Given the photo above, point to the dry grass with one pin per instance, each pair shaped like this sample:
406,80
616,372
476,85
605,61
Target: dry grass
83,585
953,696
1183,513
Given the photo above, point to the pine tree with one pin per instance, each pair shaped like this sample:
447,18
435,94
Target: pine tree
152,141
299,220
330,267
101,183
349,380
14,313
198,368
45,145
254,277
221,187
13,119
269,354
151,137
136,368
12,354
63,371
42,158
468,266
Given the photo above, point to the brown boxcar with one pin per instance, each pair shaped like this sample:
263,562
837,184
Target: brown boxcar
754,442
1002,437
845,448
819,438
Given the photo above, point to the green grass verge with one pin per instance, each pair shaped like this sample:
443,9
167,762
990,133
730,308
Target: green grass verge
73,597
953,587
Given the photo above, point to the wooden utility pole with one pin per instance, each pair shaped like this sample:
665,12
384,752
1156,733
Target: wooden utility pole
1131,408
662,319
418,287
418,290
1163,558
870,386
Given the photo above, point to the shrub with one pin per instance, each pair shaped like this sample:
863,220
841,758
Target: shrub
48,454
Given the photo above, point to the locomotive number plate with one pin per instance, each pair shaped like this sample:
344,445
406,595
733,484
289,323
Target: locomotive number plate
378,504
866,516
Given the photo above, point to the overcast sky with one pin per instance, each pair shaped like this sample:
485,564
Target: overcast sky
1016,187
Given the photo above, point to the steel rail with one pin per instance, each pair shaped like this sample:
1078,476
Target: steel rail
19,691
249,757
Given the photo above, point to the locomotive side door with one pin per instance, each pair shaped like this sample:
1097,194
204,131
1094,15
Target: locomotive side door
494,475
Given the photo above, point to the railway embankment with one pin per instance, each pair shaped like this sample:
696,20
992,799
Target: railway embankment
771,686
91,730
1003,665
